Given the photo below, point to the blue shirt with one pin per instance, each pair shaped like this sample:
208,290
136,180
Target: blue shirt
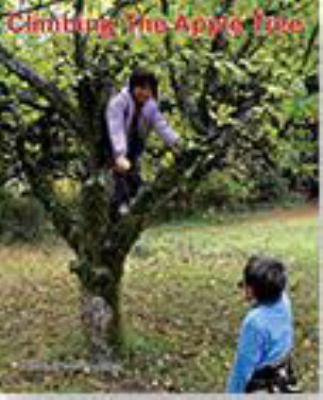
266,336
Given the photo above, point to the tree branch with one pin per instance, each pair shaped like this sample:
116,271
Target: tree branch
113,11
41,186
310,45
79,42
31,9
56,98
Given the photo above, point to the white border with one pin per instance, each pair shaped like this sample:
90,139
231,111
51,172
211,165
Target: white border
320,216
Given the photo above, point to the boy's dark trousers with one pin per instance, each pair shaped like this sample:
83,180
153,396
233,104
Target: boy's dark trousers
278,378
128,184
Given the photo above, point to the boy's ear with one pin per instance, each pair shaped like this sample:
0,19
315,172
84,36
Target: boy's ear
250,295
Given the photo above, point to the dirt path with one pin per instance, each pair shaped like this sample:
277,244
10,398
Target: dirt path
306,211
309,210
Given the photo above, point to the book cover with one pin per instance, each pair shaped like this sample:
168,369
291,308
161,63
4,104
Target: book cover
153,155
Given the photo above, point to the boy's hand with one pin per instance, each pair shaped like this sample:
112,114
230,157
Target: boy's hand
122,165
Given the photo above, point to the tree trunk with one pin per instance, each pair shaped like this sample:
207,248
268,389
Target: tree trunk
102,325
100,310
102,253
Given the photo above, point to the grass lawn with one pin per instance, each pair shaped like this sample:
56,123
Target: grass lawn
181,307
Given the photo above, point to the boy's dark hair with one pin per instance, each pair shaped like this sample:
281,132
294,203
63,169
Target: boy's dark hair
267,278
141,77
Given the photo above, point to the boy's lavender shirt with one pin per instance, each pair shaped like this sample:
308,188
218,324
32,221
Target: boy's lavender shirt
119,113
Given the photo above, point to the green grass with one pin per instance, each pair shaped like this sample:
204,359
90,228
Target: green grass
181,307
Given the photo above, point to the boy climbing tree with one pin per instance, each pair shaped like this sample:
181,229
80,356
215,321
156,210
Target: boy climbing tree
130,115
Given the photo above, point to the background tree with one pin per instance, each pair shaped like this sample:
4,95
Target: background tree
231,100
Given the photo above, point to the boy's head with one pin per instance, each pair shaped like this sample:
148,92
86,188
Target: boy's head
143,85
264,279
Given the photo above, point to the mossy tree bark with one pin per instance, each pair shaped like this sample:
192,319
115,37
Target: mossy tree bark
101,256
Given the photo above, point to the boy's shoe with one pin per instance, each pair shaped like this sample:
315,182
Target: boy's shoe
123,209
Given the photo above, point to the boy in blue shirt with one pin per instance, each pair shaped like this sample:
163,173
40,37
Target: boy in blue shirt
265,342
